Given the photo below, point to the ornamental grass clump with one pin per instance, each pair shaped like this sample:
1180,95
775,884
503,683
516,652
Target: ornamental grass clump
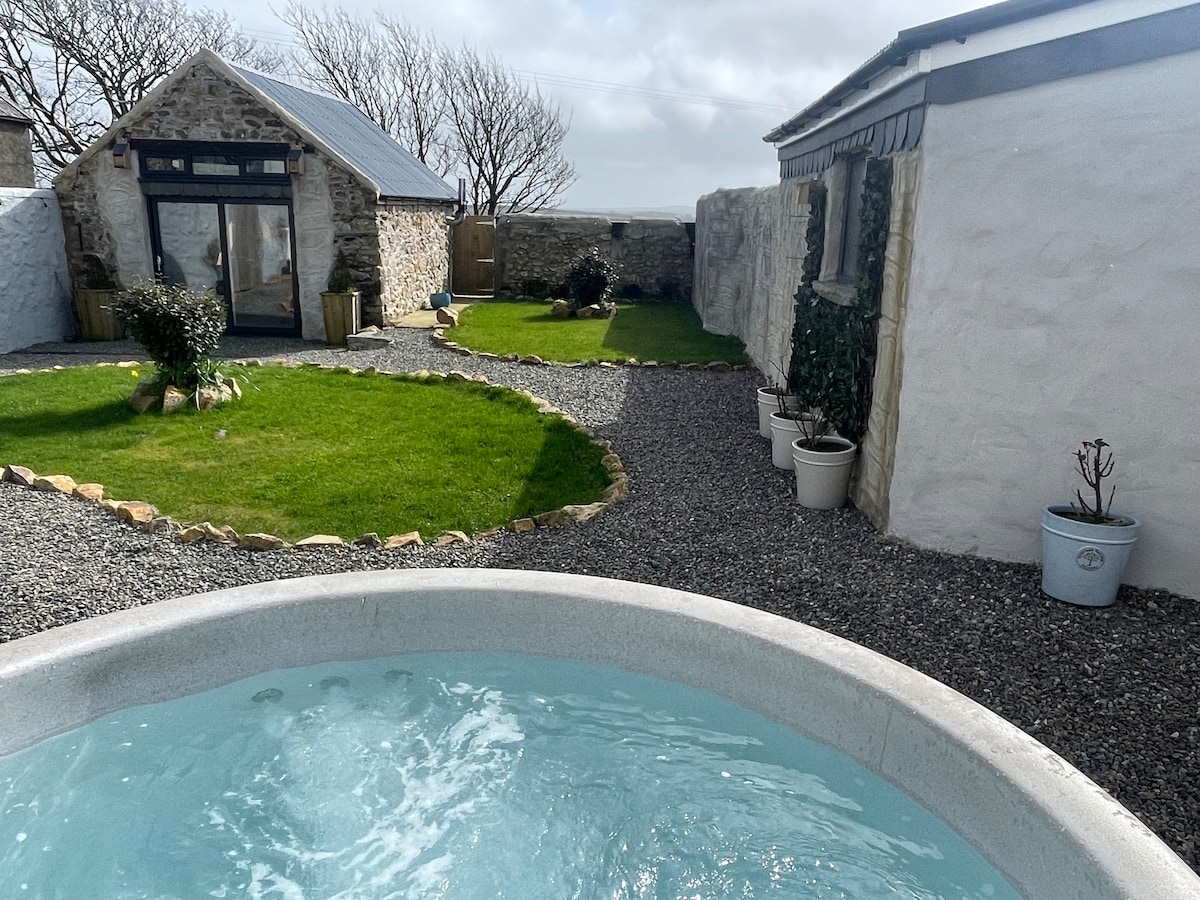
180,329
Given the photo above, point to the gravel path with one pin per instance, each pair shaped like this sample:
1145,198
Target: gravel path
1115,691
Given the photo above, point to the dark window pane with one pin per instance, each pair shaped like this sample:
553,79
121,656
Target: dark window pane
215,165
856,175
266,167
164,164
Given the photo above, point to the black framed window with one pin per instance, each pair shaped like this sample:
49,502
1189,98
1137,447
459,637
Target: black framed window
206,163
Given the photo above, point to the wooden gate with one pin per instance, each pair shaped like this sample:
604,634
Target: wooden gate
472,262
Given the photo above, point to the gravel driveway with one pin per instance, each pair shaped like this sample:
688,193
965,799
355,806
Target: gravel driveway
1115,691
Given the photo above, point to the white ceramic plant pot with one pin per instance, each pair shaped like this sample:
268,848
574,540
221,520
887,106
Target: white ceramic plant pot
1082,563
768,402
823,476
783,431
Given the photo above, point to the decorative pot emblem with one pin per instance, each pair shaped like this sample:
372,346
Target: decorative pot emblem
1090,558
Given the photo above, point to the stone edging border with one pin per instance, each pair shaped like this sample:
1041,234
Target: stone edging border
145,516
438,336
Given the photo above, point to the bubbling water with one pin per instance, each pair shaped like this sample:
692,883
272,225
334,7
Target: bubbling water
461,776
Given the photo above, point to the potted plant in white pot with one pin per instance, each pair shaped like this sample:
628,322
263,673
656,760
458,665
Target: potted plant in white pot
774,397
1086,546
825,375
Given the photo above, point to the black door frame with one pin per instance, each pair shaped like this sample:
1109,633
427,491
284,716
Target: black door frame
224,287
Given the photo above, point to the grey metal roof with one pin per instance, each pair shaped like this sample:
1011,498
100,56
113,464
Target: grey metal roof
10,113
348,131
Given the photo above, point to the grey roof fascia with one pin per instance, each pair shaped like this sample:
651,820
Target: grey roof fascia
919,38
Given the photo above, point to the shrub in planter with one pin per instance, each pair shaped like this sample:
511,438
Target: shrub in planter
341,281
591,281
340,302
180,328
94,302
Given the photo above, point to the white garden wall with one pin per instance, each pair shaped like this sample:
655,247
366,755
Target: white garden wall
1055,297
35,296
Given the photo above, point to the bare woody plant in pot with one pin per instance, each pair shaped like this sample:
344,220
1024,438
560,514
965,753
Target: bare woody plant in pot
1095,465
1086,544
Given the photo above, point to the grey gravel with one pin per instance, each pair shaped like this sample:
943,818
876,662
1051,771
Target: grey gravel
1115,691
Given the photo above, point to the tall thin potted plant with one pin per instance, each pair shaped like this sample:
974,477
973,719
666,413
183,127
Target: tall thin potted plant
1086,546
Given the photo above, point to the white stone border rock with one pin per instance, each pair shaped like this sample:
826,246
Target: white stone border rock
438,336
145,516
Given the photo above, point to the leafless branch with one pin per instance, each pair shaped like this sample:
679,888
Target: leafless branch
458,112
75,65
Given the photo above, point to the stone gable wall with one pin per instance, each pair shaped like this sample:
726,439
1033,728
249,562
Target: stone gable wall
654,254
414,253
16,155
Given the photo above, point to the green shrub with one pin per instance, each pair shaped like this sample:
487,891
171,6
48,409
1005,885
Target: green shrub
535,289
180,328
673,292
95,275
341,281
591,279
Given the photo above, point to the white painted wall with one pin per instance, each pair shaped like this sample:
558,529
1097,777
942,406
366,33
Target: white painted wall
1055,297
35,294
749,257
313,214
123,208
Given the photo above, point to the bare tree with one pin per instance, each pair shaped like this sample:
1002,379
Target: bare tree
509,136
457,112
75,65
384,66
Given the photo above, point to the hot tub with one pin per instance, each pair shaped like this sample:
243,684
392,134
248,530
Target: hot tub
1050,831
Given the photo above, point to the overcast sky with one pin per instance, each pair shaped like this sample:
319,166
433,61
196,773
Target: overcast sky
745,66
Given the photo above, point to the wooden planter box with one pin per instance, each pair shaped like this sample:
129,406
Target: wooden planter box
97,321
342,316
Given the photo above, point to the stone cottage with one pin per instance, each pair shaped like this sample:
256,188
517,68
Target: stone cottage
1040,277
16,155
224,178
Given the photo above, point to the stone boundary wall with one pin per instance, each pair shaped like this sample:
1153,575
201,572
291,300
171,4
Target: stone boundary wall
35,293
654,254
749,256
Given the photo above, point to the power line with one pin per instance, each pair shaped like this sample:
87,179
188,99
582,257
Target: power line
587,84
613,87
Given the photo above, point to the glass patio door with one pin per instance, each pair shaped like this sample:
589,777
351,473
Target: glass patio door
241,250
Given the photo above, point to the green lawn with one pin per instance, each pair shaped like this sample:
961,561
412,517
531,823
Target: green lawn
307,451
664,332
